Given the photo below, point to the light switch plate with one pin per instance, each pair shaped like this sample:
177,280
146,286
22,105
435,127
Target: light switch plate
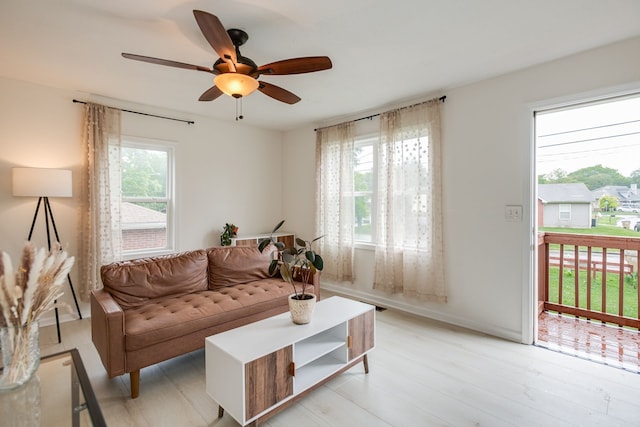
513,213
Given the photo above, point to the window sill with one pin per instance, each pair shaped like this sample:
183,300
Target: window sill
146,254
365,246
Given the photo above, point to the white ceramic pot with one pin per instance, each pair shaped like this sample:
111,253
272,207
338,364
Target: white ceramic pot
301,310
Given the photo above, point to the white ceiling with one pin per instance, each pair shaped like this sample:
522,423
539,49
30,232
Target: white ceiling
383,53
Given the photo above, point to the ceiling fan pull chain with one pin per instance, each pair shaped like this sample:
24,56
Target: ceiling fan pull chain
239,117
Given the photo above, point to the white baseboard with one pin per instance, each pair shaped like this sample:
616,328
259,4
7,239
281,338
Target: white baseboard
386,302
64,316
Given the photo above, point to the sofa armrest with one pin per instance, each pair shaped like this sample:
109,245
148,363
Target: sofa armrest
107,331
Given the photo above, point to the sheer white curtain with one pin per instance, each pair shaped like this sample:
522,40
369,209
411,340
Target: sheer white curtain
334,200
101,234
409,249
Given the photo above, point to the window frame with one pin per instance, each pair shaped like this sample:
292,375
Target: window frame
564,208
169,148
373,141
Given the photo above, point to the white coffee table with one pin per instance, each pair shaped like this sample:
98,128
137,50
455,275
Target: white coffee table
256,370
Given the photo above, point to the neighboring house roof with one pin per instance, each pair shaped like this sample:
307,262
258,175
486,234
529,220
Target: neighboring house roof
136,217
564,193
621,192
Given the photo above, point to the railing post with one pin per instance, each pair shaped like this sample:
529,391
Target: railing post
621,285
576,275
561,274
589,268
604,280
543,272
638,281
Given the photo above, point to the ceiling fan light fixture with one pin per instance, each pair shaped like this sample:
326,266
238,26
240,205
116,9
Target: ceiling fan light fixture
235,84
237,75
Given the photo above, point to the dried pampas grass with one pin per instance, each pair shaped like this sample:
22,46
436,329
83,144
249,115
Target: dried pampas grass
33,289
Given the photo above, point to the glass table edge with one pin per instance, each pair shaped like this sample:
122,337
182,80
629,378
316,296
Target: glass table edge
95,413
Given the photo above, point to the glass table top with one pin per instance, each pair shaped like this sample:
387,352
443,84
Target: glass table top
59,394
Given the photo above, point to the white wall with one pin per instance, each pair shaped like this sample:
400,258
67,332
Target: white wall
487,157
220,167
299,195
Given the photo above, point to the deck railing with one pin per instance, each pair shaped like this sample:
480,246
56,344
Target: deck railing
593,277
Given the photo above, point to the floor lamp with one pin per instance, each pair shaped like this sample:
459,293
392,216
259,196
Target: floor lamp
45,183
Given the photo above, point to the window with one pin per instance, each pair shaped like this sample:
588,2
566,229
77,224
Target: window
413,194
364,189
385,189
564,211
146,212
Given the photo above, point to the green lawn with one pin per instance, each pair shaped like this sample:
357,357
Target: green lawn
599,229
630,296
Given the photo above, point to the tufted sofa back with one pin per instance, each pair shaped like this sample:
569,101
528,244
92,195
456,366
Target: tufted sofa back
132,283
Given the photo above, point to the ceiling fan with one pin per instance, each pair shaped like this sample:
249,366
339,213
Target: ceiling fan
237,75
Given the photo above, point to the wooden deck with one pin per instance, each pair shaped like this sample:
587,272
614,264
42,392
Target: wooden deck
596,278
592,340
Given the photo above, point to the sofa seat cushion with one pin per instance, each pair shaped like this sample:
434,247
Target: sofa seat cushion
166,318
134,283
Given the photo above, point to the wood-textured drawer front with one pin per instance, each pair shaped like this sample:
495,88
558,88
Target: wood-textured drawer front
246,242
268,381
361,334
287,240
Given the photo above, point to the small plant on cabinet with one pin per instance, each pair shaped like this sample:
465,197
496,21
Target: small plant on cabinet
229,231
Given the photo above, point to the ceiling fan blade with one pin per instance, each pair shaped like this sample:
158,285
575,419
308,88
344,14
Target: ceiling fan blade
276,92
210,94
217,36
307,64
167,62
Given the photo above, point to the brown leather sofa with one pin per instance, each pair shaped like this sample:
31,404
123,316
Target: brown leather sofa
153,309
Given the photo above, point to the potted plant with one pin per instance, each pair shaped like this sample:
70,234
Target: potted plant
297,262
229,231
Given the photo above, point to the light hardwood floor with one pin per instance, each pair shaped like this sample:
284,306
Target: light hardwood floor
422,373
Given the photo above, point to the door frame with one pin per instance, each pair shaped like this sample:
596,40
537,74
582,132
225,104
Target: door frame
530,213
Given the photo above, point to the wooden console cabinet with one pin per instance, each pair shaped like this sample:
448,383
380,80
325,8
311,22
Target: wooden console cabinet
256,370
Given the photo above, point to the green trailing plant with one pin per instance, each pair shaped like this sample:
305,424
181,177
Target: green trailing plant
229,231
299,261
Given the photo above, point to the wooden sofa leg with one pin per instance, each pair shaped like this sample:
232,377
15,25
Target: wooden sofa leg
134,378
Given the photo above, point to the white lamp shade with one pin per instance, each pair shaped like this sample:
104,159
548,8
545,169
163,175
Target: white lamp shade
39,182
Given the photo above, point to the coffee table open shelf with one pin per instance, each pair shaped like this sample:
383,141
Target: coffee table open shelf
258,369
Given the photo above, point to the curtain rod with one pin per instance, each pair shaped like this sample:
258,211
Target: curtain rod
189,122
441,99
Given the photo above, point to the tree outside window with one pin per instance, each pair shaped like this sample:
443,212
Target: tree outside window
146,179
363,182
